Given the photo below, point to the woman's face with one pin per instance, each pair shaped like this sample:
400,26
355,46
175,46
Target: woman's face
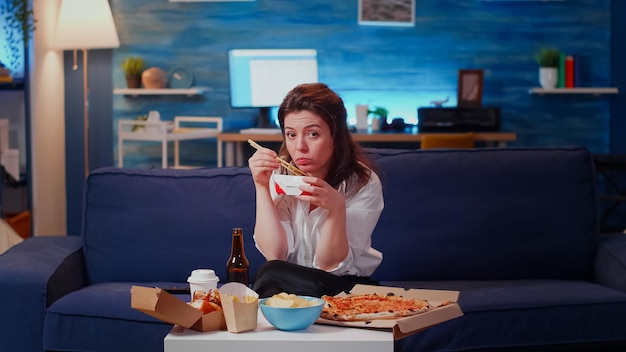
309,142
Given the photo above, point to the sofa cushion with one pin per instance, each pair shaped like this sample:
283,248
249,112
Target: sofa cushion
77,321
33,275
534,216
586,328
511,313
140,226
504,295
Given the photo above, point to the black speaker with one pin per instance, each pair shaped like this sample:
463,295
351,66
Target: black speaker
458,119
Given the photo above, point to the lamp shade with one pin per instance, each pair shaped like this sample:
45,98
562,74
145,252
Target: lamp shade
86,24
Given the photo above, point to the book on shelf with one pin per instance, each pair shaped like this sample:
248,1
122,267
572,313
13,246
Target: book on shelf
569,71
561,81
577,68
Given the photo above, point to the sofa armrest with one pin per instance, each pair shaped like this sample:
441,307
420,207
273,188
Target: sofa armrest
33,274
610,262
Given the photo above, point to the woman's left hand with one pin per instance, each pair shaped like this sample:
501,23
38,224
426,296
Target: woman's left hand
321,194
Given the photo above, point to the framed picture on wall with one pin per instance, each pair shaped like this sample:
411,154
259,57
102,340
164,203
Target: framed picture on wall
470,88
387,12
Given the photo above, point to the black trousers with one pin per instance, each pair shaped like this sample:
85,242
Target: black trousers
278,276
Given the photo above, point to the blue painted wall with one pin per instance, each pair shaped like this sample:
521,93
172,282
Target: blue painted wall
618,77
401,68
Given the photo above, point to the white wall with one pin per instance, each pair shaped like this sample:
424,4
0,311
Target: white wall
47,125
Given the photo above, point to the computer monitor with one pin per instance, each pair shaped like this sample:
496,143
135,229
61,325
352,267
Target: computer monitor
260,78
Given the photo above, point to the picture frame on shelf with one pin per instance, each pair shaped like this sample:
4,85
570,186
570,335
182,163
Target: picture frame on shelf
470,88
387,12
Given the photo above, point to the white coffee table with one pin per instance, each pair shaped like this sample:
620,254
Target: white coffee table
316,338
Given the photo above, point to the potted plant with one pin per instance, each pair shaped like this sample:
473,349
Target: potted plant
548,61
379,113
133,67
19,24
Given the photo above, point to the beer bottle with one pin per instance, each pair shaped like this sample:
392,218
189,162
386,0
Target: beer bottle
237,265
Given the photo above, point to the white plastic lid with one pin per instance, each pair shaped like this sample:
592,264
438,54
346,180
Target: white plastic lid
203,275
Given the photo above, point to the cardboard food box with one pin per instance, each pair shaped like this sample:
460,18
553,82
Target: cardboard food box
241,307
403,327
168,308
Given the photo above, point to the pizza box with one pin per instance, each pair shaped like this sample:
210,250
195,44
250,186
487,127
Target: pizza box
168,308
403,327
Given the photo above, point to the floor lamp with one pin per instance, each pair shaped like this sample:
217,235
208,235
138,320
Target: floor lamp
84,25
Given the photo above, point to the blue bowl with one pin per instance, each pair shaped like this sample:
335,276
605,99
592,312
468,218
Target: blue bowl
292,319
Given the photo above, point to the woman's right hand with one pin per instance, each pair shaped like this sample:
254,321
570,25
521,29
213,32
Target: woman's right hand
262,163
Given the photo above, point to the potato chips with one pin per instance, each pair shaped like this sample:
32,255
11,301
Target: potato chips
288,300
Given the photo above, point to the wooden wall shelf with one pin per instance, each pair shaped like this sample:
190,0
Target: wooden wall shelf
162,91
594,91
515,0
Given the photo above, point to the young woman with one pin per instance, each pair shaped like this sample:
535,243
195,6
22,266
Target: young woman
319,242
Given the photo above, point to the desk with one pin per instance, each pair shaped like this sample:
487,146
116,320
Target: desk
161,132
266,338
236,141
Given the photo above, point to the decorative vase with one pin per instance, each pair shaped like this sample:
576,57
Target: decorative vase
548,77
133,81
154,78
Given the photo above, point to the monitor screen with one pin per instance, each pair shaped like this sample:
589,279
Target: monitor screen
260,78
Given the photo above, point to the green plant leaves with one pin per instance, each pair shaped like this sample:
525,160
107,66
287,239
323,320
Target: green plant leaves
133,66
548,57
19,24
378,111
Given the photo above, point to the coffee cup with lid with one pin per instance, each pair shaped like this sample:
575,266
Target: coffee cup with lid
203,280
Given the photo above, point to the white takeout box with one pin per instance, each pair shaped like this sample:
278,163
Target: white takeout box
288,184
403,327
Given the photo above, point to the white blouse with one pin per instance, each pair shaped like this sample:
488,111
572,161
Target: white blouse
303,228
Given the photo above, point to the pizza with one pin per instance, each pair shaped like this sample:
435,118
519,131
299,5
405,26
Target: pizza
371,306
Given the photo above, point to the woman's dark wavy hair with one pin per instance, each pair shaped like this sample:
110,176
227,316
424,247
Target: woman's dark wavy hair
347,162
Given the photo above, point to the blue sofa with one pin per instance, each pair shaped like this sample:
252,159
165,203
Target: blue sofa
514,230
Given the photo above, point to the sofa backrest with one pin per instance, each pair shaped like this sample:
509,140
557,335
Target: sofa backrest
158,225
486,214
481,214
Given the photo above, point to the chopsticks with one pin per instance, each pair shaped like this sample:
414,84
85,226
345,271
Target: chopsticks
294,170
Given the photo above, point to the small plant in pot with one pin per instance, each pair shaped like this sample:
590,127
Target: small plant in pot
133,67
380,113
548,61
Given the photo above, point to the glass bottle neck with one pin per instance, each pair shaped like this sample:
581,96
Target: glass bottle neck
237,247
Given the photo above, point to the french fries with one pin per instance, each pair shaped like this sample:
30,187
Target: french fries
246,299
